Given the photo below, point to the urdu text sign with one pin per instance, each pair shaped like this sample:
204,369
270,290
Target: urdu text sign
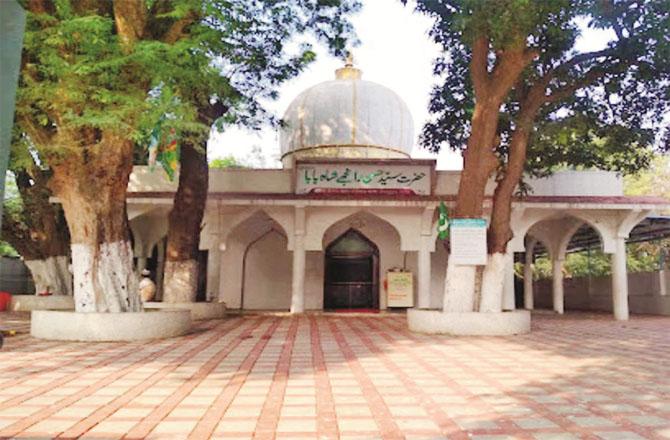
352,176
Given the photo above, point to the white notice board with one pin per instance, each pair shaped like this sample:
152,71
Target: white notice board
400,289
468,241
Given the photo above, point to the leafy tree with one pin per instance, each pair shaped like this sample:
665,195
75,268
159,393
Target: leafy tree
518,97
96,76
236,53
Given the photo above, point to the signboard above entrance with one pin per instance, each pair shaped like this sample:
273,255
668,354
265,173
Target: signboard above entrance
396,175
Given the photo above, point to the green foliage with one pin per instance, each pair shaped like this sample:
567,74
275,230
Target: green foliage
609,105
6,250
82,76
641,257
225,162
654,181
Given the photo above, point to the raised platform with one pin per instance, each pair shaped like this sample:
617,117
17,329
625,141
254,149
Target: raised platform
28,303
469,323
199,310
99,327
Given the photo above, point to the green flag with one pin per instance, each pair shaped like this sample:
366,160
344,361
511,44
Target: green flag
164,149
443,222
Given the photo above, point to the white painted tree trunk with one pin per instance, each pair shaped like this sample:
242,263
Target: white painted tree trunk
493,281
459,288
180,281
51,275
104,279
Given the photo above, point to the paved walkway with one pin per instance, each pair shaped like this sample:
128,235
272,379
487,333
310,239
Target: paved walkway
577,376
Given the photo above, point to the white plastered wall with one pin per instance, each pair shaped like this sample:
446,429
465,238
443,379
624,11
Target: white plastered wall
267,272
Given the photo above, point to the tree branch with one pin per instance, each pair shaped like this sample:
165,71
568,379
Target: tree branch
130,17
479,65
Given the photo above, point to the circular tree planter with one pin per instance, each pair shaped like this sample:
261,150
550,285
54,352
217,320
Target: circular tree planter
98,327
469,323
199,310
28,303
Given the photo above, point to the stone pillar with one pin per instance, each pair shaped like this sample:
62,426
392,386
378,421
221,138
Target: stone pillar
528,277
298,281
558,295
508,300
424,274
620,281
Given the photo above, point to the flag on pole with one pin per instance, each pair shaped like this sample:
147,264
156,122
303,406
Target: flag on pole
169,155
443,222
164,149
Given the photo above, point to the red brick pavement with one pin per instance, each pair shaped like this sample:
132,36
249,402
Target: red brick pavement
578,376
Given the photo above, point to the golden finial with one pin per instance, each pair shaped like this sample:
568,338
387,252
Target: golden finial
348,71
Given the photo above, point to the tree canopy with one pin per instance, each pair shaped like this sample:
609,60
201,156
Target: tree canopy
600,109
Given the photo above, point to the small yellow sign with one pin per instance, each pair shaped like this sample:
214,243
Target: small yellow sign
400,291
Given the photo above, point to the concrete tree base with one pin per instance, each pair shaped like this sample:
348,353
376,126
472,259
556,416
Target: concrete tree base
199,310
469,323
28,303
98,327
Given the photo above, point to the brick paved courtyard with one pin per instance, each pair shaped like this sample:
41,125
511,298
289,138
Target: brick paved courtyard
577,376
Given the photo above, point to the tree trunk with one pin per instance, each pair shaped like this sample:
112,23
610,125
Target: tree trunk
39,233
180,281
500,229
51,275
91,184
479,163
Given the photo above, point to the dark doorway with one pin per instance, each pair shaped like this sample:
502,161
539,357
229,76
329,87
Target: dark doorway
352,273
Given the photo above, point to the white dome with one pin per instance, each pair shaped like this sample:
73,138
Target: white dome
347,118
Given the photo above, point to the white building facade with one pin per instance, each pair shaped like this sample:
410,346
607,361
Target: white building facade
351,205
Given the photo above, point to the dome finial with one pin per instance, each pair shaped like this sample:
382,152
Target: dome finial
348,71
349,59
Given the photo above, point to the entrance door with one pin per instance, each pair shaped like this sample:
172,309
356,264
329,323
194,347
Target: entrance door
352,271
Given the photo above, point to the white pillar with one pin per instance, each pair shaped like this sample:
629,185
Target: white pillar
508,300
663,282
298,281
620,280
528,277
160,268
141,264
557,269
424,273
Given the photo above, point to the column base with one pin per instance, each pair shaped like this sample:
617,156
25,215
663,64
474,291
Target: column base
199,310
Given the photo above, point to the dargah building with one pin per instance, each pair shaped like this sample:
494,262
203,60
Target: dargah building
350,221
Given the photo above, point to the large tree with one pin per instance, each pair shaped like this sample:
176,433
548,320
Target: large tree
237,54
97,75
517,96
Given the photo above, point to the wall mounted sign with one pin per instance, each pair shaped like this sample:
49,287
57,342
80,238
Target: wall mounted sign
412,177
468,241
400,289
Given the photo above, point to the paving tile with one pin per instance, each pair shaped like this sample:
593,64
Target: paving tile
566,373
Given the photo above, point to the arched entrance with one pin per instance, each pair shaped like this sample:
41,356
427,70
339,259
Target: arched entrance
351,273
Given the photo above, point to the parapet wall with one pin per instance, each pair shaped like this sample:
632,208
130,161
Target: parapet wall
280,181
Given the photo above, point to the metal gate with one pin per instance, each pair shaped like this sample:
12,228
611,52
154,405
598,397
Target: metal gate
351,273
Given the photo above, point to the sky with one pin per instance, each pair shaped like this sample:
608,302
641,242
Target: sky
395,51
